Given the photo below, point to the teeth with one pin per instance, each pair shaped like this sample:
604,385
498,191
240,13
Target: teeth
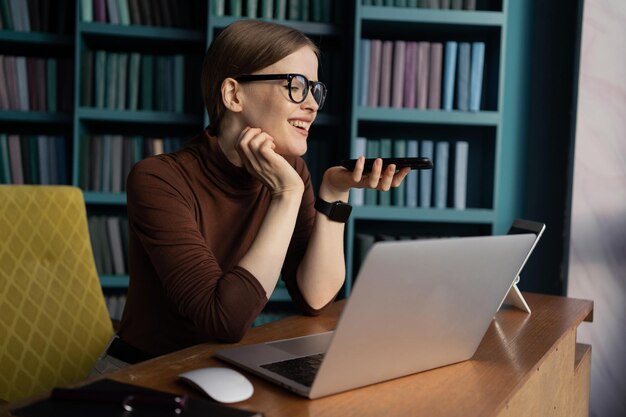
299,123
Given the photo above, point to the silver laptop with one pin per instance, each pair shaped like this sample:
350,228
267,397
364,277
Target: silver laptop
416,305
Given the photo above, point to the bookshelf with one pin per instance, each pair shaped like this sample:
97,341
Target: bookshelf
493,186
486,209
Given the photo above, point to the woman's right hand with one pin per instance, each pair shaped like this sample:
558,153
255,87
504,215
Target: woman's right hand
256,149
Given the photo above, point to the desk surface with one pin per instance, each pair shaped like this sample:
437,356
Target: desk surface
514,348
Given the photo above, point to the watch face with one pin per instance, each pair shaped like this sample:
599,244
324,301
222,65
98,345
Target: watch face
340,212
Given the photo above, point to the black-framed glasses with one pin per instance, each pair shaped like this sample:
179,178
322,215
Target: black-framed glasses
298,86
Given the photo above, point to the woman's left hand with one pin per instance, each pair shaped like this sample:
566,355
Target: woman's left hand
338,180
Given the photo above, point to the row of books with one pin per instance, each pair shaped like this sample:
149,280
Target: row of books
134,81
427,4
31,84
106,160
115,304
423,75
445,186
109,242
33,159
303,10
35,16
163,13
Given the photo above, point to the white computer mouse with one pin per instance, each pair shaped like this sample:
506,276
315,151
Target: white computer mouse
222,384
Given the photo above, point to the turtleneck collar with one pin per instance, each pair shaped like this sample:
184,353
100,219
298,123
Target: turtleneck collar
223,173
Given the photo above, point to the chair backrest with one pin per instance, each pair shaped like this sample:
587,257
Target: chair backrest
53,318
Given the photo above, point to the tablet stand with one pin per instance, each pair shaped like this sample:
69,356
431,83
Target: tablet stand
515,297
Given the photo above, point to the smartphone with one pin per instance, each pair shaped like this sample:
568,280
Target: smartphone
413,163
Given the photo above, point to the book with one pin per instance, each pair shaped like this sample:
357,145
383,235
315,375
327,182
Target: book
386,64
373,88
51,76
134,11
372,151
364,67
4,91
147,71
280,12
463,77
116,163
442,150
410,75
22,83
460,174
100,79
267,9
15,158
449,70
5,165
434,75
411,179
251,8
218,7
133,80
398,194
386,151
86,10
426,176
476,75
235,7
111,80
112,12
123,12
115,242
357,195
122,75
397,81
423,68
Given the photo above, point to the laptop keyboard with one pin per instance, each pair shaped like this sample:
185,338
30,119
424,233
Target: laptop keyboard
302,370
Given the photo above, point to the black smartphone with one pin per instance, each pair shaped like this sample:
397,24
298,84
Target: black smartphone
419,162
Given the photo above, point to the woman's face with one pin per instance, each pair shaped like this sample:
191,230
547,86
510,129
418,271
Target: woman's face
267,104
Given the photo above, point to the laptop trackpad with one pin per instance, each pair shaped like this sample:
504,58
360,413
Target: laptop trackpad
305,345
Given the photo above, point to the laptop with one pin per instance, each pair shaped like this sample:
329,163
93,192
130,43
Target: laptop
415,305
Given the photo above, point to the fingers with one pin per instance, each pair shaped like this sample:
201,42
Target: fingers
255,147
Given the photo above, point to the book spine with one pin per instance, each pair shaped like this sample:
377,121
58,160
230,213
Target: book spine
441,174
385,74
434,76
399,50
423,68
426,176
460,174
463,77
449,74
476,76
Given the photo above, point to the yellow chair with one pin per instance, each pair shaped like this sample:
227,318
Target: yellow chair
53,318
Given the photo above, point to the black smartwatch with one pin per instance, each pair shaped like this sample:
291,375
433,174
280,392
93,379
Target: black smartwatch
337,211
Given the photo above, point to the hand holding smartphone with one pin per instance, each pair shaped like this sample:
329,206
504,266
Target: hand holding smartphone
413,163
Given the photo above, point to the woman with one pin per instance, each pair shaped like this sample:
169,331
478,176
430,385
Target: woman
214,225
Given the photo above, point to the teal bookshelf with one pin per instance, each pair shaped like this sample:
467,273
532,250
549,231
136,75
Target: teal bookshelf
492,132
490,208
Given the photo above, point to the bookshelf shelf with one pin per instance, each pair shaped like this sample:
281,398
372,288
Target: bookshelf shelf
127,116
421,214
114,281
434,16
310,28
28,39
484,118
97,197
157,34
34,117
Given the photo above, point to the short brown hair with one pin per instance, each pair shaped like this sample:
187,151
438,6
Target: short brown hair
241,48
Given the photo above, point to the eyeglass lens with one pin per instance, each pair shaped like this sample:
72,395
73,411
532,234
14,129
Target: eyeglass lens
299,87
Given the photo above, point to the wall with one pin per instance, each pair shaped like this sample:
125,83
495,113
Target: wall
597,263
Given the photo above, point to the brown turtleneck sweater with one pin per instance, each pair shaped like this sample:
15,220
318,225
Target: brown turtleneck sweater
192,216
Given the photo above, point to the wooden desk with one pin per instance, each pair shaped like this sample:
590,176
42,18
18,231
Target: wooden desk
526,365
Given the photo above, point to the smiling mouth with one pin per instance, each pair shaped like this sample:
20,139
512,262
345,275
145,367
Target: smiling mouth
300,124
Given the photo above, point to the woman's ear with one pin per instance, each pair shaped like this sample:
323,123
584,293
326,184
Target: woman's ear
231,95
